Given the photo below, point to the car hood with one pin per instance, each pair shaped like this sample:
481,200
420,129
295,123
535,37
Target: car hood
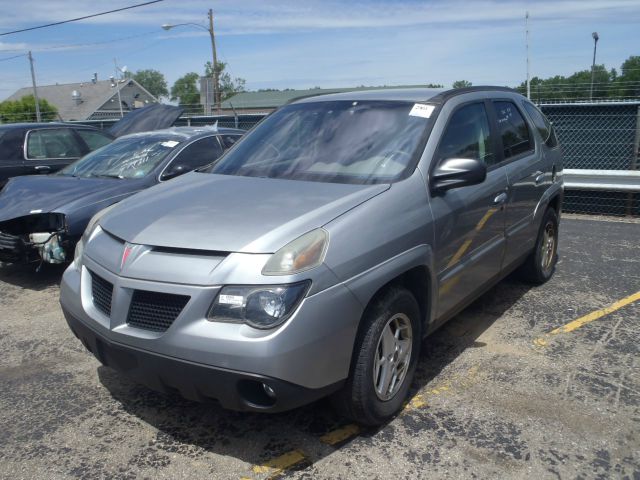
53,193
231,213
153,117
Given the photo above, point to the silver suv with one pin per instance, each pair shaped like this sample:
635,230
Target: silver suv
314,257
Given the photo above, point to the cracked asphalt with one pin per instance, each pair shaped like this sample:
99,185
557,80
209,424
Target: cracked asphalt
488,401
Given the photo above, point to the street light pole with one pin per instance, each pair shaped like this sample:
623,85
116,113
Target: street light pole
215,74
593,64
526,20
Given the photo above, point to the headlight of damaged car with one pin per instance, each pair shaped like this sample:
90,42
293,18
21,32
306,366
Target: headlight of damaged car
303,253
260,306
91,227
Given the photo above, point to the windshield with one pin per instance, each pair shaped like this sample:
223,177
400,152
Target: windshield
130,157
339,141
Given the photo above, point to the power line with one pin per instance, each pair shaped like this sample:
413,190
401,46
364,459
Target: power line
11,58
82,18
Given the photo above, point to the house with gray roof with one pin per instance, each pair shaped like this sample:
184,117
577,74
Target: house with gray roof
92,100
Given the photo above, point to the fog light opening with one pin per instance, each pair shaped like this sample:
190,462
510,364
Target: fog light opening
256,393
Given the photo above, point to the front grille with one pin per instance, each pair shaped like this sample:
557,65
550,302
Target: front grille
154,310
12,248
101,293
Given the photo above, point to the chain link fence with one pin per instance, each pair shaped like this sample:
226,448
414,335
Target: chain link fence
598,136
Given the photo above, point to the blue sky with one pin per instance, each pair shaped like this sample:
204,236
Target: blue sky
306,43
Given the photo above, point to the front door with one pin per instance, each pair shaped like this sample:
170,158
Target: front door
525,169
469,221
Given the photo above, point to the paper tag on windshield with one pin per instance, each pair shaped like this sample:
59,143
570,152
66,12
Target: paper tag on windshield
420,110
169,143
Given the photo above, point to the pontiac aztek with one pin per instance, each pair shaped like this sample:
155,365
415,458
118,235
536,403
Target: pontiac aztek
316,254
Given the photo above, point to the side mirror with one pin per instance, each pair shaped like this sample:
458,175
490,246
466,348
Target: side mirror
458,172
175,170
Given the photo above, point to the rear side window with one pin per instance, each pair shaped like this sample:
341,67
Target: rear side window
468,135
94,139
229,140
199,153
11,144
513,129
543,125
52,143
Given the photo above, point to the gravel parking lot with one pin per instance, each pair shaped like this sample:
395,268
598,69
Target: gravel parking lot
499,392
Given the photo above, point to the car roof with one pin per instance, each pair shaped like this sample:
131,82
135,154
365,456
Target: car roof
35,125
430,95
188,133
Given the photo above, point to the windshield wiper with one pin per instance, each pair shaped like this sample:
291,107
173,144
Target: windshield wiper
106,175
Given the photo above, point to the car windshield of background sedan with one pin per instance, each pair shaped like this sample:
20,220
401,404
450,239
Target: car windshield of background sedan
332,141
128,157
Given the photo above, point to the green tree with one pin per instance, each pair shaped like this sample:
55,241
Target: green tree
24,110
228,86
153,81
461,84
185,90
628,83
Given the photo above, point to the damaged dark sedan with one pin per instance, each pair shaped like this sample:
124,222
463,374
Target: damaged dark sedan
42,217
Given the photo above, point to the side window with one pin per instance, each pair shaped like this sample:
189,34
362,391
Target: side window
94,139
52,143
543,125
229,140
513,129
468,135
199,153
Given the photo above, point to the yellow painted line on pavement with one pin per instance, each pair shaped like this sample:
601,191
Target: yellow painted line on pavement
278,465
340,434
590,317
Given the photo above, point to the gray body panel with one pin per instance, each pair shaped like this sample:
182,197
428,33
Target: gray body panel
461,240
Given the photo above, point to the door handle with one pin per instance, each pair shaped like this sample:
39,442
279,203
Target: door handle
539,177
42,168
500,199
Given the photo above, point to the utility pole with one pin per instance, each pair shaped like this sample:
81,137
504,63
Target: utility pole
526,24
215,73
35,90
115,64
593,64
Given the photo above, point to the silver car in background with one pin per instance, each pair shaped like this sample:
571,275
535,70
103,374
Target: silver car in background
314,257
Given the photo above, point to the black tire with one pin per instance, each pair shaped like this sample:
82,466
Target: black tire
538,268
358,399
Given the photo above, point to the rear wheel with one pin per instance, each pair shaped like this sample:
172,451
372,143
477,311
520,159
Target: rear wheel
385,358
541,263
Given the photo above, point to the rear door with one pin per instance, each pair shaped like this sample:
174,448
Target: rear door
525,169
50,149
11,153
469,221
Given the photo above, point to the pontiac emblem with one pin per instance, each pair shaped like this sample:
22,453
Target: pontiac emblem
128,248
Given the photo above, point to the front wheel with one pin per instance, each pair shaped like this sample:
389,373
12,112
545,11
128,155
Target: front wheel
541,263
385,358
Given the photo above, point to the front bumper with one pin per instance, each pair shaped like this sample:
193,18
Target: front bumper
306,358
233,390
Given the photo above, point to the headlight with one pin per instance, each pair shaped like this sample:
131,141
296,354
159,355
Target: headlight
260,306
91,227
302,254
77,256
